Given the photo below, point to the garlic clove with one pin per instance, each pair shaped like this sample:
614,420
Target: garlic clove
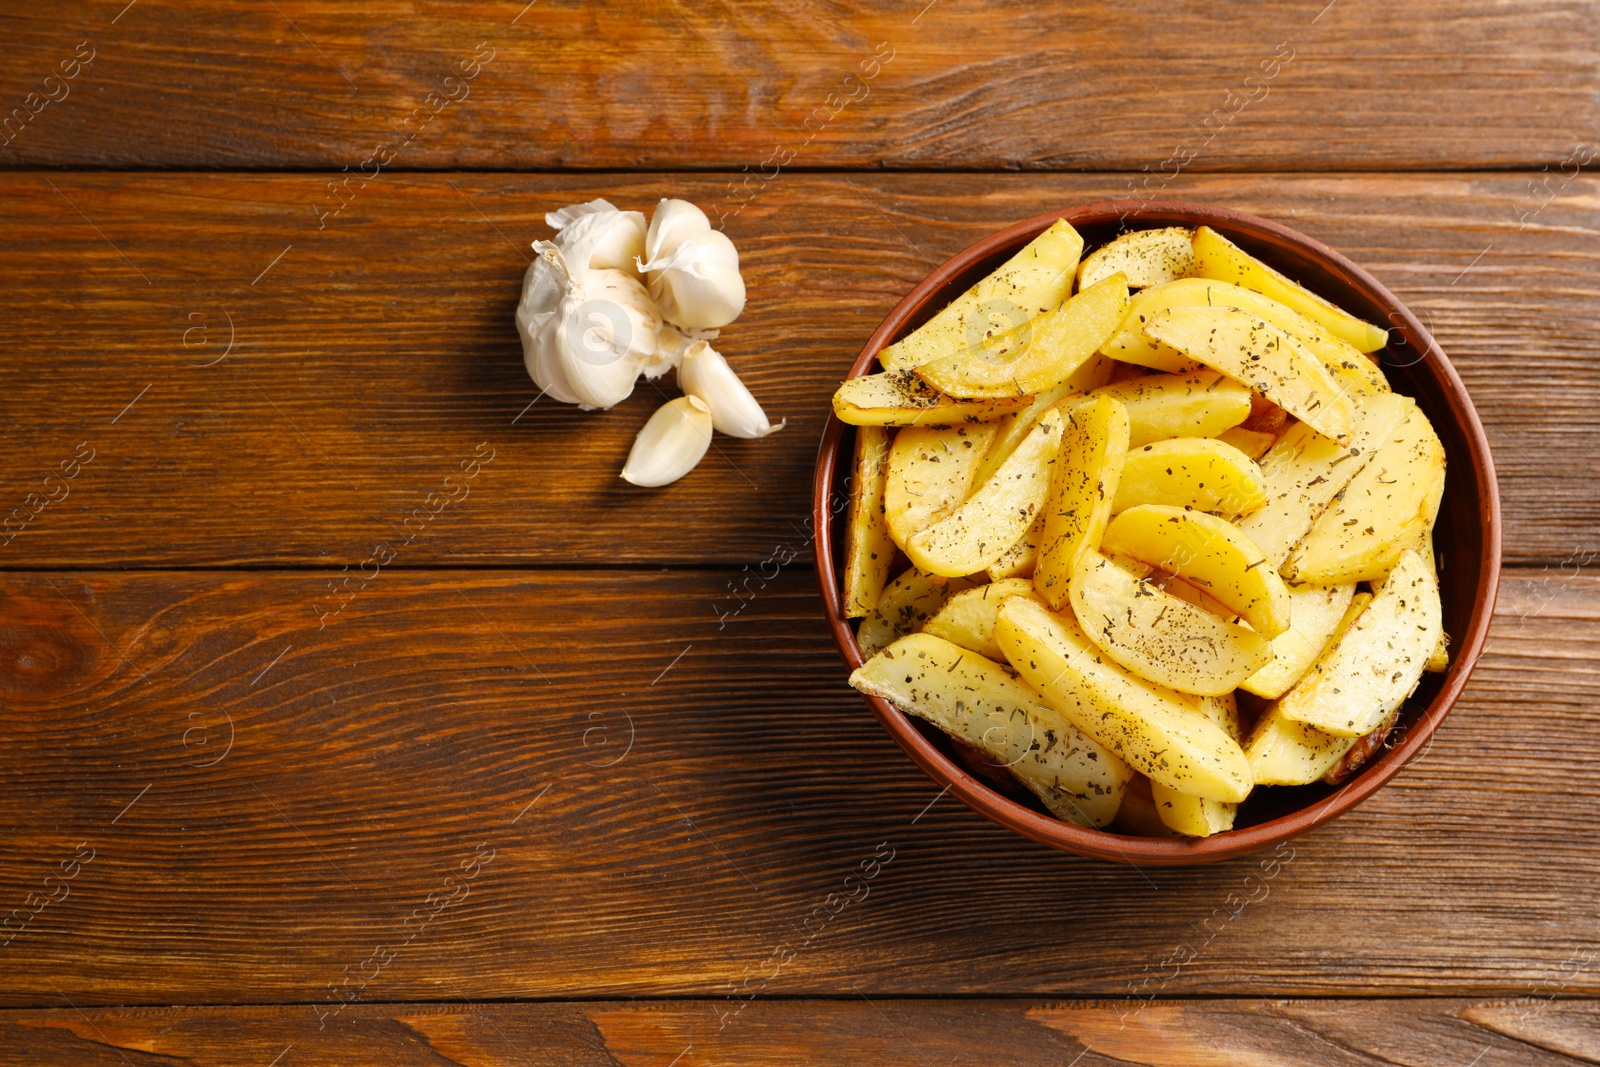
697,285
673,222
671,443
542,289
607,329
597,235
705,374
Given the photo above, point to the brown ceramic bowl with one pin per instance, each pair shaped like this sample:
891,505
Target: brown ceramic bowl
1467,537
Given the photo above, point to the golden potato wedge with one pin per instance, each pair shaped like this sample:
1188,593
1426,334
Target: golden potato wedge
1253,443
1191,472
1138,816
1021,558
1194,816
1158,732
1266,359
1315,613
1200,404
1144,257
1354,372
906,603
1387,508
932,470
1159,637
1038,355
1209,552
976,534
1034,280
967,619
1084,484
1378,661
1010,430
897,398
868,548
1440,660
1217,257
985,705
1304,471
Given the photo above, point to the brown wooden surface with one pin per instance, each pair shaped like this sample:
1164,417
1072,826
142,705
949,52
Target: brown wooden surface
378,352
1435,84
287,726
1526,1032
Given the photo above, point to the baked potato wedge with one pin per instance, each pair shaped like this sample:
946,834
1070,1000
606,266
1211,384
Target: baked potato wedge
1194,816
1082,487
1253,443
1315,616
1377,662
976,534
868,550
905,604
1388,507
1159,637
985,705
1199,404
967,619
897,398
932,470
1021,558
1202,473
1033,281
1304,471
1144,257
1271,362
1206,551
1039,354
1158,732
1217,257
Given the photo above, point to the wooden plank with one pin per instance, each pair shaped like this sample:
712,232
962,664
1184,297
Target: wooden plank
593,784
372,358
1163,1034
1195,1033
309,84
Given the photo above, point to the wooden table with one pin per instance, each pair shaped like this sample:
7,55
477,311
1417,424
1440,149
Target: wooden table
300,766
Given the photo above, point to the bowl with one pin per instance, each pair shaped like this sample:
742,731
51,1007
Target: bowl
1466,538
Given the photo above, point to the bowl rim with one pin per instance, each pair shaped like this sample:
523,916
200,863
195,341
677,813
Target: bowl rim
1107,844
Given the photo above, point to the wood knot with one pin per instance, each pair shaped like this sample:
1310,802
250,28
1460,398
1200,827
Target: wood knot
37,661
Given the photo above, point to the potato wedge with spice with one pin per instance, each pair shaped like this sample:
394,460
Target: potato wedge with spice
1144,257
868,550
1268,360
1034,280
999,511
1194,816
1253,443
985,705
1378,661
1038,355
932,470
967,619
1158,732
1202,473
1093,449
897,398
1205,551
1217,257
1159,637
1200,404
1315,615
906,603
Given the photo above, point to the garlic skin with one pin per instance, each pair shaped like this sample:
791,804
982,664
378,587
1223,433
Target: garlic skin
542,288
671,443
705,375
596,234
693,270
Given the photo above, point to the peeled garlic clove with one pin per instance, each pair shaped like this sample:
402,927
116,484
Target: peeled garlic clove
597,235
674,222
705,375
697,284
608,329
671,443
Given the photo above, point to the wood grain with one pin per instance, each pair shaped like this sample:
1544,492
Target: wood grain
434,796
1204,1033
978,85
370,359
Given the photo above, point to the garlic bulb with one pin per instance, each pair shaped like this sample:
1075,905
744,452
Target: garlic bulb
542,289
671,443
693,270
705,374
596,234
